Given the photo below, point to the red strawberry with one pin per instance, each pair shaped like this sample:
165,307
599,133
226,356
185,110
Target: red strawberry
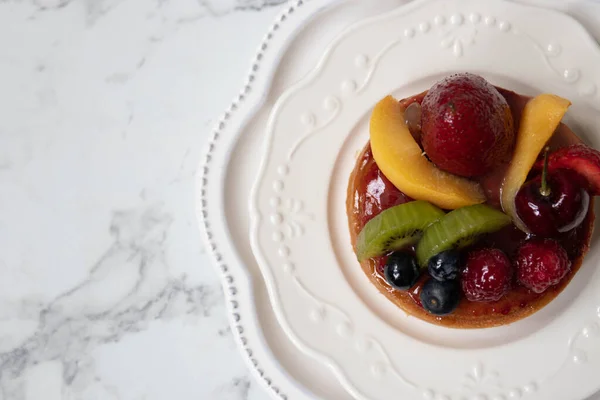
486,276
380,265
377,193
541,263
581,159
467,126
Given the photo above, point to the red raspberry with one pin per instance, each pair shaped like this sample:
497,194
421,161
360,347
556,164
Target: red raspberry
541,263
486,276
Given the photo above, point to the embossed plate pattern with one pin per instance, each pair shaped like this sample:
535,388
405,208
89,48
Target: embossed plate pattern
298,228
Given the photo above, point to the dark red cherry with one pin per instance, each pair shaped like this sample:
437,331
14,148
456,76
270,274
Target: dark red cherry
552,203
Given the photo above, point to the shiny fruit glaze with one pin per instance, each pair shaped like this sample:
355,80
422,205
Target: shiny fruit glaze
377,192
373,193
558,206
467,125
369,193
581,159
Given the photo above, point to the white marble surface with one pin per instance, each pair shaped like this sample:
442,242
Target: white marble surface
105,290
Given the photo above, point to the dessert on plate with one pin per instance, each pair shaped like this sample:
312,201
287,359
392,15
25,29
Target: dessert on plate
471,206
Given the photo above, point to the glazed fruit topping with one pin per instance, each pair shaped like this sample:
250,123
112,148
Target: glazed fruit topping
440,298
377,194
541,263
401,270
442,148
395,228
553,202
401,160
486,275
445,266
467,125
458,229
581,159
539,119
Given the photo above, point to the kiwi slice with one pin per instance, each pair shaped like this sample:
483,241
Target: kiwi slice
395,228
459,228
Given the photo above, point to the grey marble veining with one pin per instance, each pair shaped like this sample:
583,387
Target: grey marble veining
105,290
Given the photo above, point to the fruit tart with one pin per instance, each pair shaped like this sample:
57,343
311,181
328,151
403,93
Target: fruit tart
472,206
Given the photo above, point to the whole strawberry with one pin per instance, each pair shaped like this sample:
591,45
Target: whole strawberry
467,126
541,263
486,275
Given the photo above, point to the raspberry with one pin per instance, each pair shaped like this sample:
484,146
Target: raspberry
486,275
541,263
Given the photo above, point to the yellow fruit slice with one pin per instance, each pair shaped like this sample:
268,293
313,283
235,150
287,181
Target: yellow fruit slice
539,120
402,161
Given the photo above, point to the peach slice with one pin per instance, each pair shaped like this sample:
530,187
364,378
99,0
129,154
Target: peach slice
402,161
539,120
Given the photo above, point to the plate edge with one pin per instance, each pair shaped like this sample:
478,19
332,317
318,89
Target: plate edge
202,174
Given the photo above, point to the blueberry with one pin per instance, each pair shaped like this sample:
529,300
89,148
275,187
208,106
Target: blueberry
440,298
445,266
401,271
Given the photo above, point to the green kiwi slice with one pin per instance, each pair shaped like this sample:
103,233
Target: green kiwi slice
395,228
459,228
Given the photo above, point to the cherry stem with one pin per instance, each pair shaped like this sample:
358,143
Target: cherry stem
545,188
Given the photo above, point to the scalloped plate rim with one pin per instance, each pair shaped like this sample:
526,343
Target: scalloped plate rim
251,107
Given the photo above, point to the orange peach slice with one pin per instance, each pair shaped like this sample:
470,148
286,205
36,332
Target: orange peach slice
402,161
539,120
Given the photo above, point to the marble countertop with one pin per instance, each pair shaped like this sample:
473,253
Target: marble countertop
105,289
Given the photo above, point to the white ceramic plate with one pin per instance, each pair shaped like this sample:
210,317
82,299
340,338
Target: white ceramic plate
272,192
